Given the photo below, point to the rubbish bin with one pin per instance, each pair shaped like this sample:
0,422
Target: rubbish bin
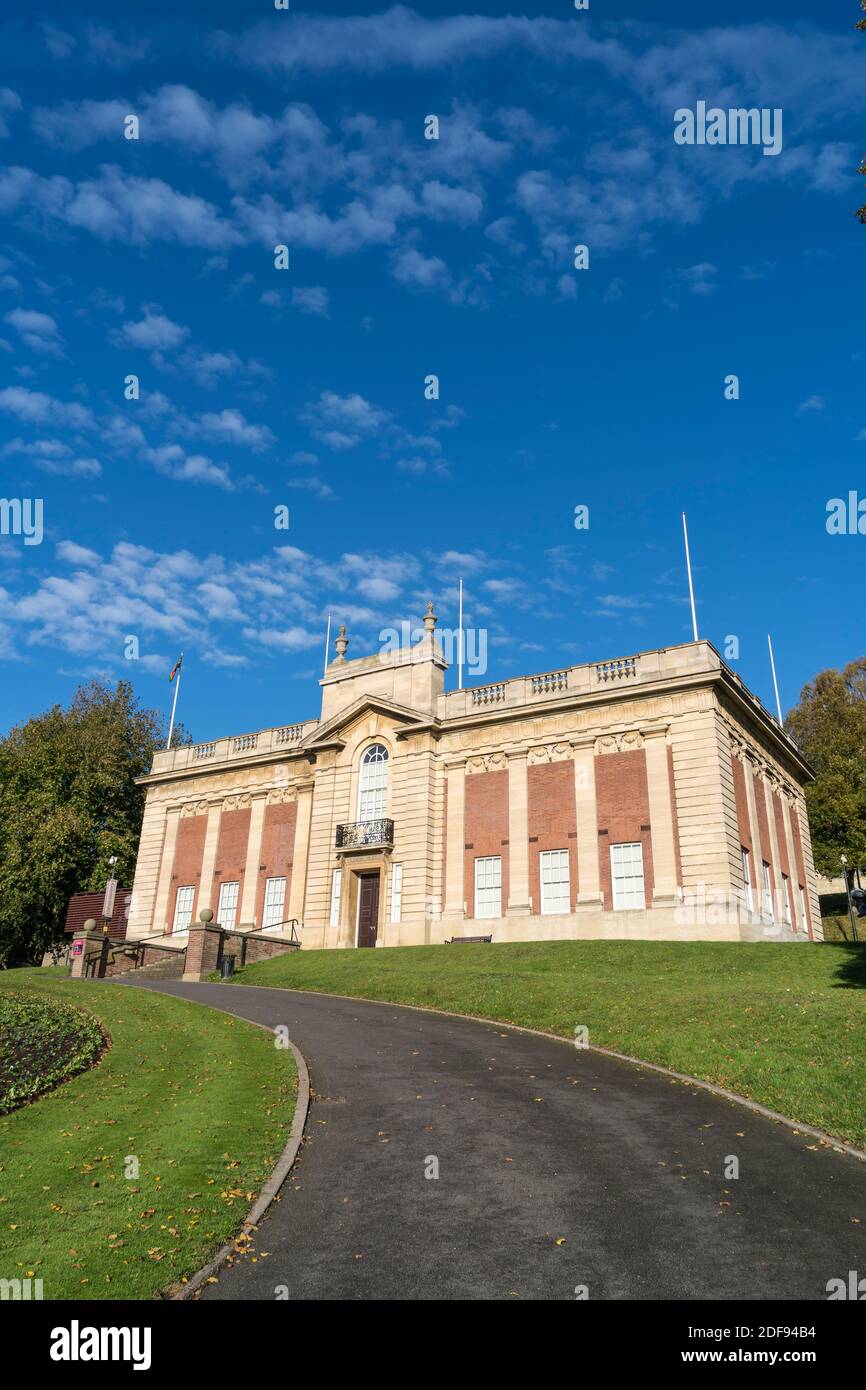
227,966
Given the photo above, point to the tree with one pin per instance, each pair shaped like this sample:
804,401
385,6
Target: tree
68,802
829,727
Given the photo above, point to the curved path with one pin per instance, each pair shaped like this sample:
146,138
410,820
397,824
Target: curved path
557,1169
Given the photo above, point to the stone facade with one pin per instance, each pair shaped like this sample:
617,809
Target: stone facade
620,799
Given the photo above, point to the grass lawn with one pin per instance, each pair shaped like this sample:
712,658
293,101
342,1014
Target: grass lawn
204,1102
781,1024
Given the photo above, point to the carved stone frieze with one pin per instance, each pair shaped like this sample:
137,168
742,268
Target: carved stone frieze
625,742
486,762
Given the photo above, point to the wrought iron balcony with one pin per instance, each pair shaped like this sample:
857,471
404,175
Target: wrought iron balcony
365,832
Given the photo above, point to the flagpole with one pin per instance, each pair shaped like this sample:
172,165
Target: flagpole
691,586
460,640
327,645
174,704
775,682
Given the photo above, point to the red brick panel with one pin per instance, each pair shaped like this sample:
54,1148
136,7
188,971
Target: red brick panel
801,865
188,856
782,838
764,831
552,822
278,849
231,855
485,829
622,808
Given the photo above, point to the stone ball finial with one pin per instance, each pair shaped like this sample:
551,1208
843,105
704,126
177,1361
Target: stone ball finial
206,915
90,924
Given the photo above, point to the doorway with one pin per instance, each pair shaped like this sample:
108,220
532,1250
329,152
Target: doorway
368,908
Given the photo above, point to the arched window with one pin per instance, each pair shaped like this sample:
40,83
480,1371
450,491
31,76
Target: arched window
373,785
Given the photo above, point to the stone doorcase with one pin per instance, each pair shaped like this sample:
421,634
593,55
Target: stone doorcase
353,866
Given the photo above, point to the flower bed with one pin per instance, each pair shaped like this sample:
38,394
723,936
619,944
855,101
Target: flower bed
42,1042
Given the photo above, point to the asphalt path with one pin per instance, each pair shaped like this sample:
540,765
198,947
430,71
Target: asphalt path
445,1158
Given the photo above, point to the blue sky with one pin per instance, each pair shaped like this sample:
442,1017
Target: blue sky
304,388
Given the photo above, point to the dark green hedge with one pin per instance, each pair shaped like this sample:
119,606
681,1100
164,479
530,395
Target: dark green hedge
42,1042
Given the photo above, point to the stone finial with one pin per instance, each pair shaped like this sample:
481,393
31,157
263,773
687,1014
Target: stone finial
341,643
206,915
90,924
430,618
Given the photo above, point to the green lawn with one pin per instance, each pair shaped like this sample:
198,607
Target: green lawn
204,1102
781,1024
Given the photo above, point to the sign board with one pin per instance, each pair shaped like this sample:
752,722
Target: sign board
77,948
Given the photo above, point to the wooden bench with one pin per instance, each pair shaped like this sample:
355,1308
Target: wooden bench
468,940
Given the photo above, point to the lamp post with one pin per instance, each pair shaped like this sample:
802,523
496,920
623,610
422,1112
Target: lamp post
843,860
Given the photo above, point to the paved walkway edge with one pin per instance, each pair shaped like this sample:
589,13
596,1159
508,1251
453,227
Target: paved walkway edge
281,1169
832,1141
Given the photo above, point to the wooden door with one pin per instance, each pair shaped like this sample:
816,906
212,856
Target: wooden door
368,909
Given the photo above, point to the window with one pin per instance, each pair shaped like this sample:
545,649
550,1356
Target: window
747,879
626,873
183,909
804,920
555,887
227,907
373,784
768,891
396,891
787,897
336,890
275,898
488,886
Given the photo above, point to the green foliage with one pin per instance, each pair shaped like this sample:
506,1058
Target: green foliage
68,802
829,727
42,1042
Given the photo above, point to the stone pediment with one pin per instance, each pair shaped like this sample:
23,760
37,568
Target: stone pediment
333,733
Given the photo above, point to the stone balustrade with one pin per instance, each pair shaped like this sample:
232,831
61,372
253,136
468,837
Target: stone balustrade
222,750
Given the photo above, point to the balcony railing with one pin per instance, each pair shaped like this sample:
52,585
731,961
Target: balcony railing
365,832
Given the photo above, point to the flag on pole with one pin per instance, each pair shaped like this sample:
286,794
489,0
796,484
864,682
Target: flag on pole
175,668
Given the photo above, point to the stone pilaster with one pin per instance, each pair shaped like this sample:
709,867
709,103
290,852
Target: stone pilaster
661,819
160,922
300,854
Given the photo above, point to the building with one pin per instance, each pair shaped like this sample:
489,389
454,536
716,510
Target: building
651,797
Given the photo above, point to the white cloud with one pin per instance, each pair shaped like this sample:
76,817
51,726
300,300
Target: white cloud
116,206
154,332
311,299
35,407
342,422
411,267
231,427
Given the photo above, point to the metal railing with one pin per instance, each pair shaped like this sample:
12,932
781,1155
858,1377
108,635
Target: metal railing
365,832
